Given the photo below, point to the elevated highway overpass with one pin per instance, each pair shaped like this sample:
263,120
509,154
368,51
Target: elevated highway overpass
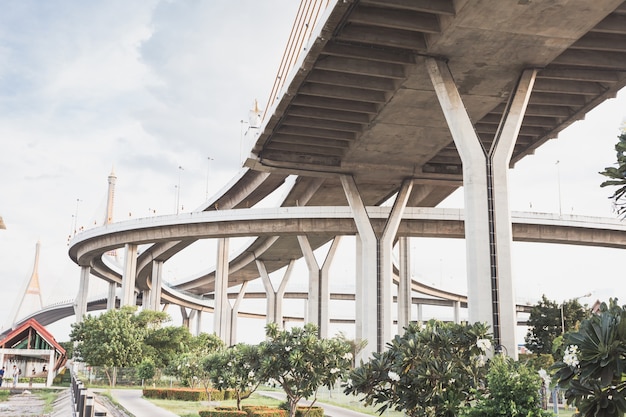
403,102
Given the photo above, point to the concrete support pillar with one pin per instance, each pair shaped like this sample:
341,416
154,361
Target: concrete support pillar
324,321
198,328
386,262
313,307
457,311
319,292
185,316
80,304
420,313
274,297
374,268
111,298
404,284
157,284
130,273
234,312
193,316
366,271
221,314
487,218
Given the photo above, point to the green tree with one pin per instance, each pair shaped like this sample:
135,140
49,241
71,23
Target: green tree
617,175
545,324
110,340
432,370
166,344
593,368
189,367
206,343
146,369
235,368
513,390
300,362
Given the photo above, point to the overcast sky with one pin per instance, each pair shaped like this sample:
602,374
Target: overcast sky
149,86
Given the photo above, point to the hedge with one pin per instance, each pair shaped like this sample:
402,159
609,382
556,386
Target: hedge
248,411
222,413
309,412
183,394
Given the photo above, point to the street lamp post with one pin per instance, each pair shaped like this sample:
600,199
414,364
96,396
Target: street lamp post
208,171
180,169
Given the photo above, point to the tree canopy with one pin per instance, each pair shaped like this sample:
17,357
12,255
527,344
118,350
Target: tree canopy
617,175
235,368
545,324
300,362
432,370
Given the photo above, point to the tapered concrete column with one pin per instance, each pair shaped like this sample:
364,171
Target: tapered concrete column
157,284
185,316
386,262
325,288
274,297
193,317
487,218
366,272
221,313
234,312
130,273
404,284
319,292
80,304
111,298
376,268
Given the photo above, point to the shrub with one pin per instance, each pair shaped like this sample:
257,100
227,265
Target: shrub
222,413
182,394
513,389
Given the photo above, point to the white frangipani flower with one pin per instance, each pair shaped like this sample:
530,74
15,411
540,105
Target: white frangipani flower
570,358
393,376
483,344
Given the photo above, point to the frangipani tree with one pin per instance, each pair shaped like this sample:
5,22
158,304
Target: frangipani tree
431,370
300,362
235,368
593,368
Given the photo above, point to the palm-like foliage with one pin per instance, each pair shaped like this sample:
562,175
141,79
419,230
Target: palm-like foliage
618,176
431,371
593,368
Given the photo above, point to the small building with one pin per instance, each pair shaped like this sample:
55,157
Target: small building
33,350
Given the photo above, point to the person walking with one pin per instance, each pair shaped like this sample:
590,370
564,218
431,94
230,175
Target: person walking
1,375
16,375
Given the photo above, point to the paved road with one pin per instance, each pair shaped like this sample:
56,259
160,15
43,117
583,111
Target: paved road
132,401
